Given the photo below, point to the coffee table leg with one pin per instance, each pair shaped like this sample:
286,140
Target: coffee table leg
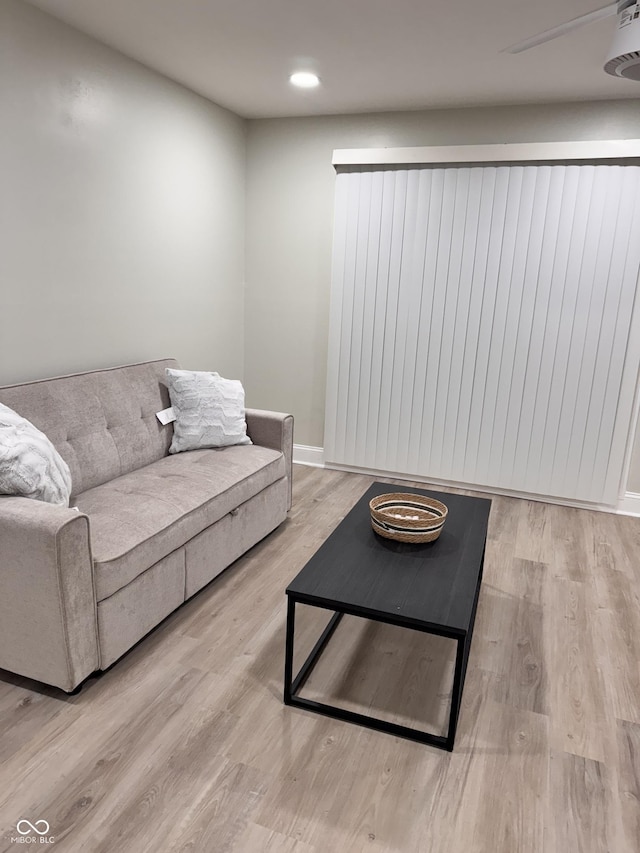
291,684
288,654
456,692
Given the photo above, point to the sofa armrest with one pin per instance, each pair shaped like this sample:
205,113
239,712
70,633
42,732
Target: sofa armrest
47,602
275,430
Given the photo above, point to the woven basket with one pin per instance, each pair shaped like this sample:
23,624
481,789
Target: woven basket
407,518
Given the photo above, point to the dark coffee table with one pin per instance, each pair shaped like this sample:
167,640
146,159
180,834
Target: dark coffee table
432,588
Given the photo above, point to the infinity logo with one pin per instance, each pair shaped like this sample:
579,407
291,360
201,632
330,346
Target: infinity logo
32,827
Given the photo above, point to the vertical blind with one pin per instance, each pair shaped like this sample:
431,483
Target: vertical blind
480,321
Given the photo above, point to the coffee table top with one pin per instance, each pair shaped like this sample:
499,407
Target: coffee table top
432,585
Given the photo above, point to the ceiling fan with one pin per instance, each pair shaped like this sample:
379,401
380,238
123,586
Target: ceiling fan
623,59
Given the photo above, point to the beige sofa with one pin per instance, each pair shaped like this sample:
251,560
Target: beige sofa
77,589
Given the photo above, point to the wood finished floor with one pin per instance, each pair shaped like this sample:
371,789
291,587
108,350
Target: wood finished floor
185,744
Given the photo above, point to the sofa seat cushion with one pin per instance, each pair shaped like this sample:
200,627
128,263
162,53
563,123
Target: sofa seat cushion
140,517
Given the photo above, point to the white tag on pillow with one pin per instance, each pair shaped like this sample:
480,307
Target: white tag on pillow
166,416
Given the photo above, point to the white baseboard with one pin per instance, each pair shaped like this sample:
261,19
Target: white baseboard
304,455
630,504
314,456
435,482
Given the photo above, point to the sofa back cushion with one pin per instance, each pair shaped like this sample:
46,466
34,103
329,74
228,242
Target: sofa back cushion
103,423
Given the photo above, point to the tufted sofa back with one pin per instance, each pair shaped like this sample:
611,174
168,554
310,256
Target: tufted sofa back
103,422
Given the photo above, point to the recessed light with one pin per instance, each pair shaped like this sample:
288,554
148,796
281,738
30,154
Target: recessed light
304,80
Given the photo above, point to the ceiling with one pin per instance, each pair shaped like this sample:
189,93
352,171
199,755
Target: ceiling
371,55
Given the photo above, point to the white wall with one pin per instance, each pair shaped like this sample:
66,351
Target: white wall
121,210
290,185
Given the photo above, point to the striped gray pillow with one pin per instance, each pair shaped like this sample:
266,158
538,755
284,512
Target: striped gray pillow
209,410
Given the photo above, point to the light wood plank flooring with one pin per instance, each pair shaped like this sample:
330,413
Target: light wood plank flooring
185,744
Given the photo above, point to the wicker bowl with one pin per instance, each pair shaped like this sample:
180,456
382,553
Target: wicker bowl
407,518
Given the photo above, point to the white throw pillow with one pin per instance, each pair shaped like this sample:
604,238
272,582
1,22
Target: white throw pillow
209,410
30,466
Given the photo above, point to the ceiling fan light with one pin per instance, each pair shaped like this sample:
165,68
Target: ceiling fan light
627,66
624,57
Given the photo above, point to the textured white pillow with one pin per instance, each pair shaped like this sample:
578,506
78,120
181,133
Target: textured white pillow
209,410
30,466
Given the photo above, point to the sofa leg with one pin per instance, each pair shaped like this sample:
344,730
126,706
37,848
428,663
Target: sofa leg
77,689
